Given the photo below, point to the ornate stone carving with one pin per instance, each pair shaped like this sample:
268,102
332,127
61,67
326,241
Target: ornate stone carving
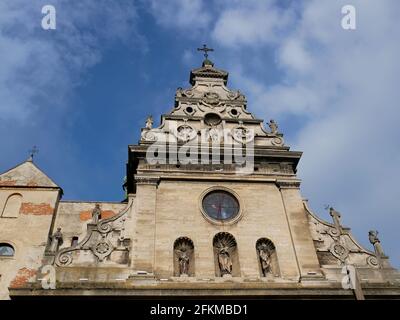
184,93
339,251
235,95
102,249
100,240
373,261
278,141
186,133
242,134
149,135
214,135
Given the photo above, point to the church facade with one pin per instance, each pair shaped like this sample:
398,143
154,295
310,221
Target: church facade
213,208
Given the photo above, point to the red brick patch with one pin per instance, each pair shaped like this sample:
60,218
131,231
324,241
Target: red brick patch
41,209
22,277
87,215
8,183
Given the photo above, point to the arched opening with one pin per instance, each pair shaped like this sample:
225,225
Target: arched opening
184,257
267,258
12,206
226,256
6,250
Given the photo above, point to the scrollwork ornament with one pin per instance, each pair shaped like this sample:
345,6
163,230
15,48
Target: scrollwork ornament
64,259
334,232
104,226
277,141
373,261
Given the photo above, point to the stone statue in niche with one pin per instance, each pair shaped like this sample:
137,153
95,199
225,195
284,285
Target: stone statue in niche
96,213
264,253
184,260
56,241
149,123
225,262
373,238
273,126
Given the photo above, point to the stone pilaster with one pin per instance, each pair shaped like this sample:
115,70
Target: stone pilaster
143,218
306,256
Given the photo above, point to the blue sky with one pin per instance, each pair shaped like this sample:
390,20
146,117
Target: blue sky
82,92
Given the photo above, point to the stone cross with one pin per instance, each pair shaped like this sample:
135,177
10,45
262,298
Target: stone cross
32,152
336,219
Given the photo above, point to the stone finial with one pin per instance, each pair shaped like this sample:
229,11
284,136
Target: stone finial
374,240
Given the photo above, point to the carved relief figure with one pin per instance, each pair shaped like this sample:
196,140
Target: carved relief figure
186,133
225,262
56,241
96,214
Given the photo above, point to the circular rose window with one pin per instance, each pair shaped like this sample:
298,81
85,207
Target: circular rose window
220,205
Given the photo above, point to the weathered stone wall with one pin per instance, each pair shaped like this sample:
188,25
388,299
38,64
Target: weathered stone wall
27,233
178,214
73,216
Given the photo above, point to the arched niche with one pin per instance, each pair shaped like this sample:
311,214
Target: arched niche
12,206
267,258
226,258
184,257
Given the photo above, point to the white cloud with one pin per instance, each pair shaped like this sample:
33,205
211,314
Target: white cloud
41,67
251,23
189,15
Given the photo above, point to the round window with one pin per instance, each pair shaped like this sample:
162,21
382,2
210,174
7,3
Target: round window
220,205
212,119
